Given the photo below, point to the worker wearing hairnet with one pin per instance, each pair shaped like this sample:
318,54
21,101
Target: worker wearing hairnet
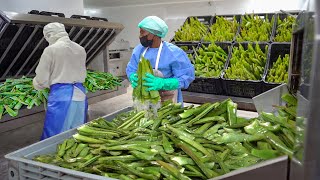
173,70
62,68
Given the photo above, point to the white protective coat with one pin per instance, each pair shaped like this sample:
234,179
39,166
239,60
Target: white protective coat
63,61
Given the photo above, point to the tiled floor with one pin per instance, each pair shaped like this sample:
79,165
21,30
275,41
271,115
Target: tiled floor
111,105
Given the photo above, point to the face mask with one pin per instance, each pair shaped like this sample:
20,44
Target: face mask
145,42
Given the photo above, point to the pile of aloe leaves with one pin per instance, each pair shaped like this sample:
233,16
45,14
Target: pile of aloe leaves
181,143
19,93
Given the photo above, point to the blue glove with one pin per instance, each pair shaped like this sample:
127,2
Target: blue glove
156,83
134,80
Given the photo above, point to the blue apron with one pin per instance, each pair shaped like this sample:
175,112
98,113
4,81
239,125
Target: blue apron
59,101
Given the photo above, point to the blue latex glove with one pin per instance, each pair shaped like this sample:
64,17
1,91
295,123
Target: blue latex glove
156,83
134,80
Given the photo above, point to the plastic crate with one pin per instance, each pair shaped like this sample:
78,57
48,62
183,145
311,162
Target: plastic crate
191,46
34,12
275,50
226,46
263,16
230,18
99,19
80,17
21,165
281,16
243,88
206,85
210,85
47,13
206,20
190,49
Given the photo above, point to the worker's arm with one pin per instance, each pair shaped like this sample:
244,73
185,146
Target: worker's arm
183,70
43,71
132,66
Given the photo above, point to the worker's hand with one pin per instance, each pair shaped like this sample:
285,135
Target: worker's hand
156,83
134,80
37,85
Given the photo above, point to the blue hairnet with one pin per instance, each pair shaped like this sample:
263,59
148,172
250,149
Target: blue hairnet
154,25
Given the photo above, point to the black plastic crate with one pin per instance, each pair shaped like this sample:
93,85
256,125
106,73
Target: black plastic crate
275,50
206,20
206,85
47,13
99,19
34,12
210,85
226,46
80,17
229,18
263,16
281,16
244,88
190,46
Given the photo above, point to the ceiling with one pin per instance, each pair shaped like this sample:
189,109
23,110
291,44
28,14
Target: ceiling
115,3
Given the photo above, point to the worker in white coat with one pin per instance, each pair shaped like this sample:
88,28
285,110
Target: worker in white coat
62,68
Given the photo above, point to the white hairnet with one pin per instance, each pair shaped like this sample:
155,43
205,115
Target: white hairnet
154,25
54,31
